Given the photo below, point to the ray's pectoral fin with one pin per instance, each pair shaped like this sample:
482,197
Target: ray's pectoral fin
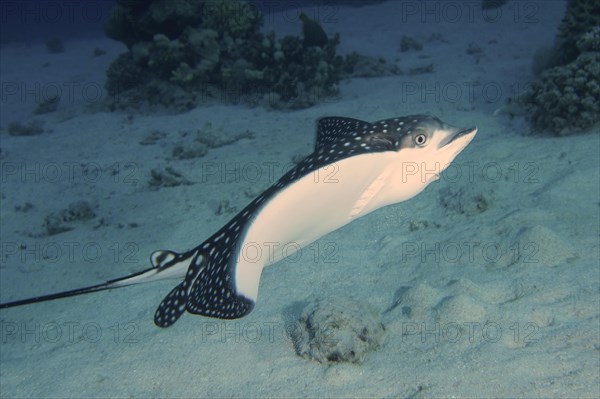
208,287
172,307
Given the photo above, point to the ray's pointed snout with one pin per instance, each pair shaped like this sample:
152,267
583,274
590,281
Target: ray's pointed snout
469,131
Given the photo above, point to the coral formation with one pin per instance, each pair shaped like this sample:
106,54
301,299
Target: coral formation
189,150
578,33
55,46
30,129
467,200
362,66
59,222
420,70
313,33
214,137
167,178
224,207
182,52
337,330
206,138
50,104
409,43
581,16
566,99
590,41
153,137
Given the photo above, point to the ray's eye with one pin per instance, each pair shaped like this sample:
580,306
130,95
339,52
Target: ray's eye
420,139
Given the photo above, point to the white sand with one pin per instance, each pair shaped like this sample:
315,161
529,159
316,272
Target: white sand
462,320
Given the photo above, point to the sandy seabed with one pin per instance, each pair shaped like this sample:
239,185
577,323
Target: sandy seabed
487,282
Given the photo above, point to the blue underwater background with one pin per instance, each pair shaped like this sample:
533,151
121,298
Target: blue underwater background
37,20
129,127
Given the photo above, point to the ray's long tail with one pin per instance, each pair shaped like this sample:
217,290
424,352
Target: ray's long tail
111,284
162,268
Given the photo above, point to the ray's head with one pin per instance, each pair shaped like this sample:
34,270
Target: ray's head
425,146
425,131
427,137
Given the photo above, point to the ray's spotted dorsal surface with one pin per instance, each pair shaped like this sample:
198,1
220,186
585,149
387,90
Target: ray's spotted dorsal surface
371,165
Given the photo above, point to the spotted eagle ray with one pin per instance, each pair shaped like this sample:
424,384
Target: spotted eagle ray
368,165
